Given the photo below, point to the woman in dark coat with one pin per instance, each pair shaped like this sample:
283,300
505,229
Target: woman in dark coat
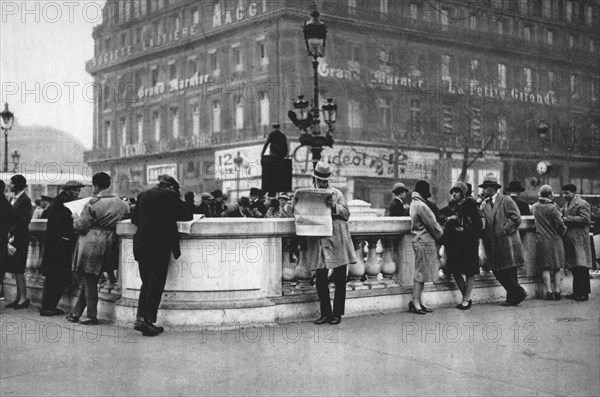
7,220
549,229
461,237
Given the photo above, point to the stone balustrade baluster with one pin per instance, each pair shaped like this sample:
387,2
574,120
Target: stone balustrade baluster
388,266
357,270
372,265
288,267
302,272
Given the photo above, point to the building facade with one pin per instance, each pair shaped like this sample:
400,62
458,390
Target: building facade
191,88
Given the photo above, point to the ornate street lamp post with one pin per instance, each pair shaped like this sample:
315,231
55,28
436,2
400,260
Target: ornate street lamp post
315,36
16,155
6,122
543,167
238,160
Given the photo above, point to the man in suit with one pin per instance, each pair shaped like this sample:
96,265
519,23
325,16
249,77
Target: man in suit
257,207
20,232
242,210
578,254
58,249
398,206
515,189
7,221
501,239
156,215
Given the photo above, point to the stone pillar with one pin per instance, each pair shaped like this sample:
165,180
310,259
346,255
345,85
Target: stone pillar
357,270
303,273
372,266
405,272
388,266
528,241
288,268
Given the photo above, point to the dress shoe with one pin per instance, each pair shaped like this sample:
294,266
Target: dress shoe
413,309
158,329
47,313
557,296
335,320
506,303
520,299
322,320
72,318
549,296
11,304
89,321
465,307
145,328
426,309
582,298
23,305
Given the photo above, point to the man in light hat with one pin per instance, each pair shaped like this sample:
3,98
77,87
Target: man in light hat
335,252
156,240
501,239
398,206
59,245
515,189
578,254
284,204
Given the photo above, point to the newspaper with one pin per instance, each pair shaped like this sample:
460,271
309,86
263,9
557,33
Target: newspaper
313,216
186,226
76,207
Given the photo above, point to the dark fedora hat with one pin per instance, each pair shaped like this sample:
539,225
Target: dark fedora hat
515,186
490,181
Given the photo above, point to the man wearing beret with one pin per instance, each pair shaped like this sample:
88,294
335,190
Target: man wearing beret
578,254
156,215
59,244
501,239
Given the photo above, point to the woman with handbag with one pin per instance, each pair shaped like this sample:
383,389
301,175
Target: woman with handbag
461,239
7,221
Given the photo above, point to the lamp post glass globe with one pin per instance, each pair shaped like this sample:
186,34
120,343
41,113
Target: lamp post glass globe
6,118
302,107
542,130
329,111
315,34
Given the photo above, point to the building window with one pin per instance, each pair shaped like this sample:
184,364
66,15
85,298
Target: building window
192,67
528,77
550,37
589,15
384,113
123,37
355,119
500,27
413,11
501,75
447,121
473,22
237,57
573,83
571,40
551,81
475,124
196,120
497,3
175,122
547,8
569,11
444,18
239,113
264,111
195,16
502,137
156,119
352,7
446,69
140,128
592,46
123,132
474,72
527,33
355,53
214,62
172,71
216,116
262,52
523,7
415,116
154,76
108,133
594,88
217,15
383,6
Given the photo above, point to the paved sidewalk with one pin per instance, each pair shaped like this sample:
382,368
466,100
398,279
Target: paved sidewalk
538,348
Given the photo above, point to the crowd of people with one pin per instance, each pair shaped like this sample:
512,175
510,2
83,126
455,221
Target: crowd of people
85,243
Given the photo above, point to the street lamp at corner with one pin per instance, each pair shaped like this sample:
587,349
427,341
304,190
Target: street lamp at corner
543,167
542,130
315,37
6,122
238,160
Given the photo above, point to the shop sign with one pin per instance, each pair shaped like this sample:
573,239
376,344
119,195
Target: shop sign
173,86
153,171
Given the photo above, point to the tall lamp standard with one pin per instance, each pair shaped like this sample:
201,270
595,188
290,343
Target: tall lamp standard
543,166
238,160
315,36
6,122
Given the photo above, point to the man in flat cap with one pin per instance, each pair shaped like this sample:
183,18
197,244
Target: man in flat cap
577,216
398,206
59,245
501,239
156,215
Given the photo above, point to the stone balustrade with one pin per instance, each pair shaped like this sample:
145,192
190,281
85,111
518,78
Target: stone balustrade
250,271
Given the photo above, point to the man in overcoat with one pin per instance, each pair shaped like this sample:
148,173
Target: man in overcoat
577,217
156,215
501,239
398,205
7,221
515,189
20,233
96,250
59,244
335,252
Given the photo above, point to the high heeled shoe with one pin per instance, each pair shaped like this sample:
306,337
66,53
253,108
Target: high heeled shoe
413,309
426,309
23,305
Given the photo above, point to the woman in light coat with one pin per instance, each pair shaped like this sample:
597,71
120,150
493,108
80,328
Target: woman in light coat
425,231
549,251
